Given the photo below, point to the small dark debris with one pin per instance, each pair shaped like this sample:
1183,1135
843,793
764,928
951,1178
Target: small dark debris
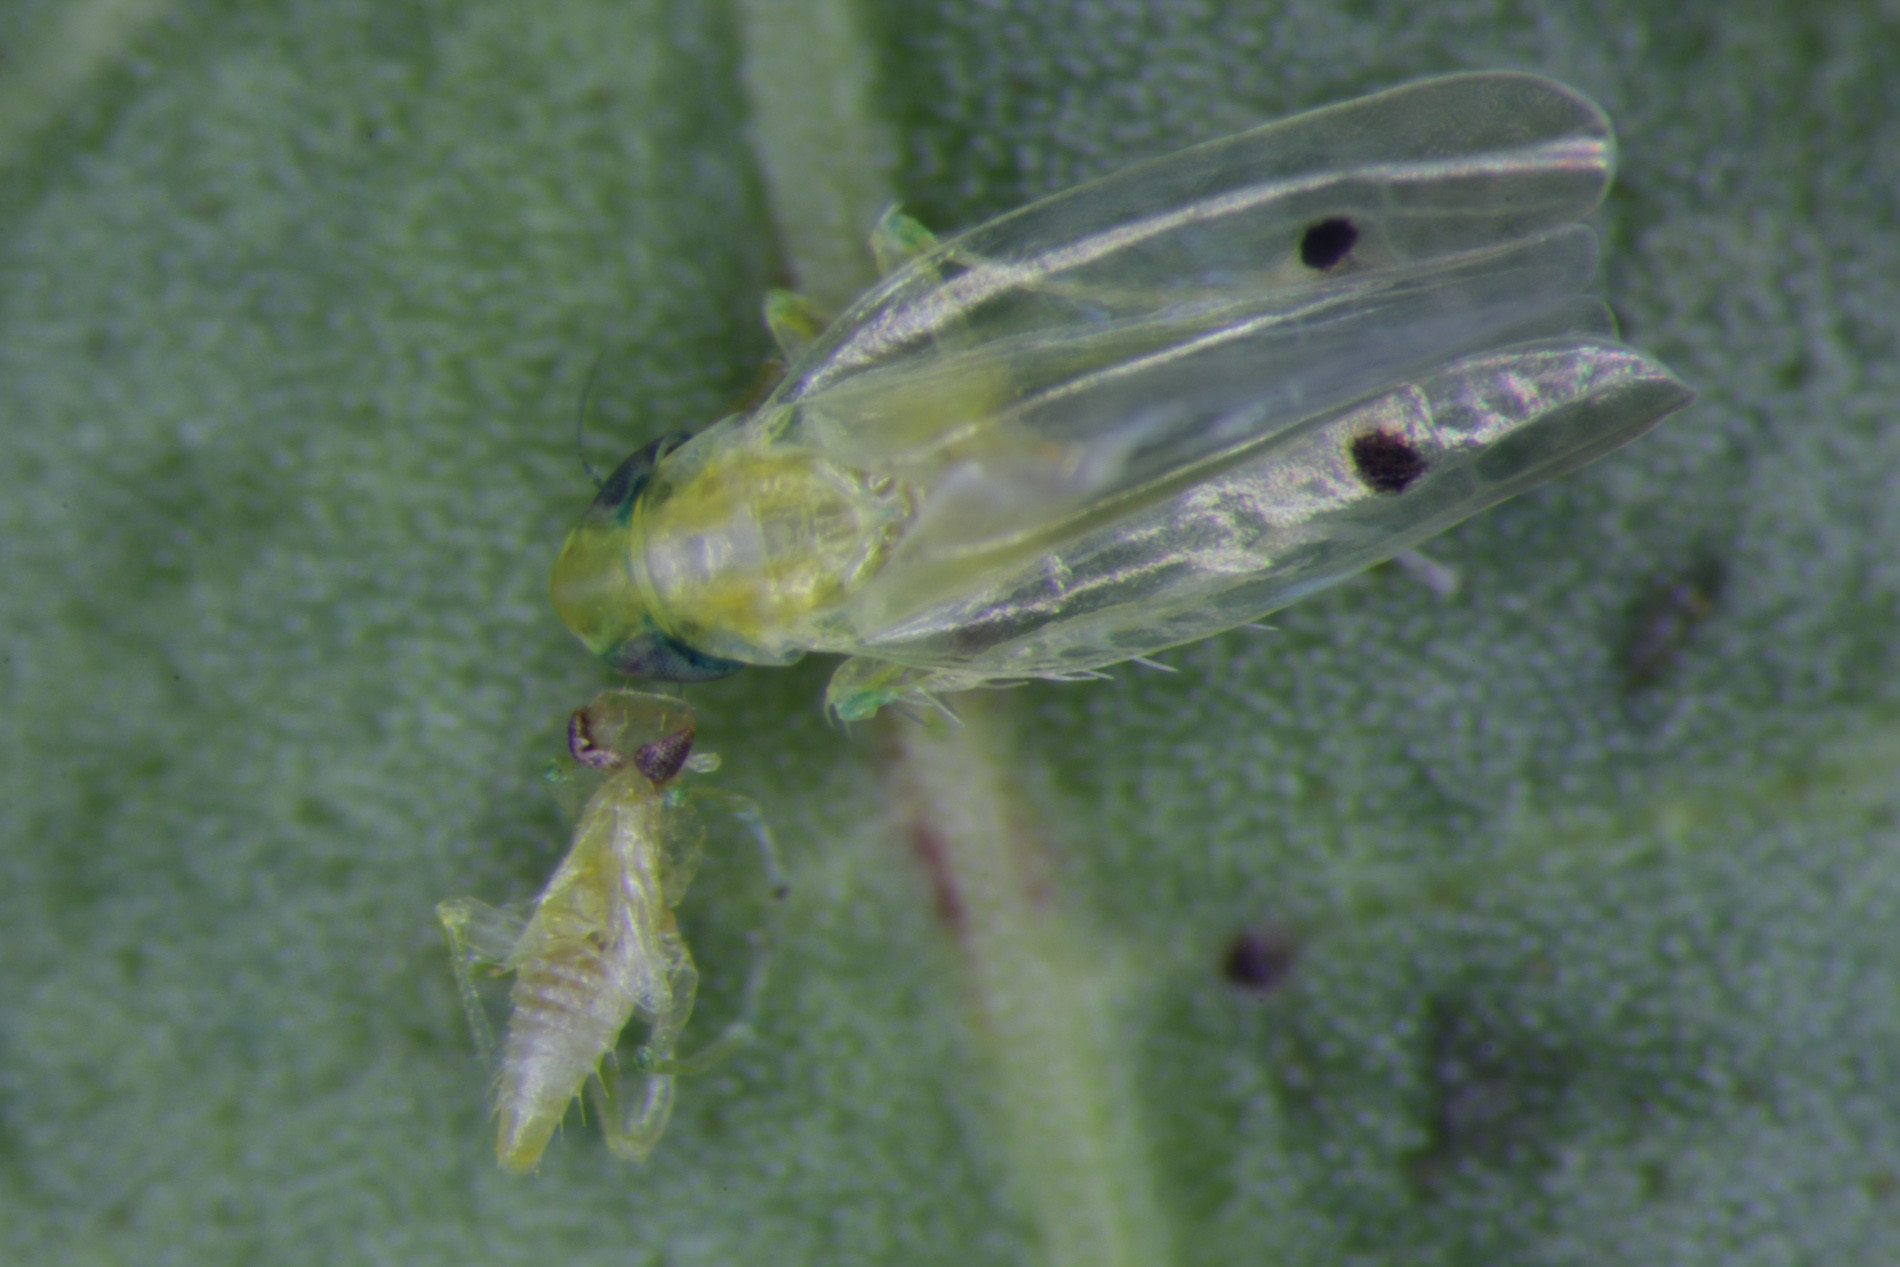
1260,961
1495,1087
1661,621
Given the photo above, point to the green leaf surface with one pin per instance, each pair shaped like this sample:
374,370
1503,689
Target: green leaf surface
1573,900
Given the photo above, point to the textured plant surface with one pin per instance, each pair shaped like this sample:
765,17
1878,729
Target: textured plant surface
1571,902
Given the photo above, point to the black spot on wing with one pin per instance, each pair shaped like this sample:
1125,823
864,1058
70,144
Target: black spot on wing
1386,461
1328,242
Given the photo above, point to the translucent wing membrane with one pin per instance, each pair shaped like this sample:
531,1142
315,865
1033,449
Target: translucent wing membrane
1319,503
1424,172
1152,407
1073,360
1118,414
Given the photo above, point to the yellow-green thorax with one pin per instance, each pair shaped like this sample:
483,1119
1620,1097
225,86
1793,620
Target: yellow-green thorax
721,551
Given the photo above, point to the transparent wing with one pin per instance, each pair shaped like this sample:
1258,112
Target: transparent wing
1161,321
1314,506
1135,421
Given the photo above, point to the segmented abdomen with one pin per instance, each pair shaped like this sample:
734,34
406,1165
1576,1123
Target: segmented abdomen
570,1004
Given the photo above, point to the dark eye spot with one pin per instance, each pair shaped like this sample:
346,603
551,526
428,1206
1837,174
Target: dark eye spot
1387,462
660,760
1328,242
1260,960
585,748
615,499
658,658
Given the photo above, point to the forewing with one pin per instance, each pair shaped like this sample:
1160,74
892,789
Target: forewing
1086,353
1432,169
1311,507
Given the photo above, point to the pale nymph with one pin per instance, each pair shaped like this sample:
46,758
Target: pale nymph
601,946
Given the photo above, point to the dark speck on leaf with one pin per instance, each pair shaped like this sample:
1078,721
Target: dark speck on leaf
1661,621
1260,961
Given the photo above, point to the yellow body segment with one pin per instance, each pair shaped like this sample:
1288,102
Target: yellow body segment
745,549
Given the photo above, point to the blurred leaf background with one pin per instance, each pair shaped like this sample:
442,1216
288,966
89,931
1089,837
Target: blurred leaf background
1576,895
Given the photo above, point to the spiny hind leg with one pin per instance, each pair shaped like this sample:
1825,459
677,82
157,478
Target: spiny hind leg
481,938
863,685
656,1057
633,1131
737,1033
744,812
633,1127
